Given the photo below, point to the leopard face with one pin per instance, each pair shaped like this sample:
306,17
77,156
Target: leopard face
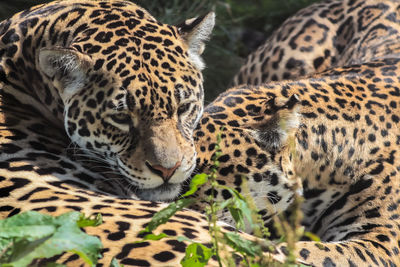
127,88
256,157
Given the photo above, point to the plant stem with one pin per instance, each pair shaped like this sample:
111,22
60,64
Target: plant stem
214,229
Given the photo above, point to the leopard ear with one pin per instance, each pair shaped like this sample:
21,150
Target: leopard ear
195,32
66,67
275,133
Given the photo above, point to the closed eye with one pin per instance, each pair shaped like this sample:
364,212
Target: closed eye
183,108
121,118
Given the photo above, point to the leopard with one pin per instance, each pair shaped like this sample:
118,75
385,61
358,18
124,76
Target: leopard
324,35
31,182
123,219
108,81
331,139
313,112
85,85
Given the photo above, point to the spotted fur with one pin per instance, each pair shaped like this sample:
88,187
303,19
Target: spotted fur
90,90
335,139
329,33
126,88
332,136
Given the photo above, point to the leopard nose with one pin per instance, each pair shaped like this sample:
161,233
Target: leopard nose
164,173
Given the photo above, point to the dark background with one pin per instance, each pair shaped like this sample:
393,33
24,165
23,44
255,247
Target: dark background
241,26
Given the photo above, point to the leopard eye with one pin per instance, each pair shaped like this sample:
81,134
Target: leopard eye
183,108
121,118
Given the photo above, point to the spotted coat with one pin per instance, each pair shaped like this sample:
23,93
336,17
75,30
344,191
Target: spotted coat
126,88
334,139
329,33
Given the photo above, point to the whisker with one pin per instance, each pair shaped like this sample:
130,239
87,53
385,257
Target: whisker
94,160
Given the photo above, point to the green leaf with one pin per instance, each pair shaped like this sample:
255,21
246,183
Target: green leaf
197,255
26,218
49,236
182,238
155,237
163,215
239,208
242,245
114,263
94,220
312,236
225,204
235,212
197,181
29,232
237,215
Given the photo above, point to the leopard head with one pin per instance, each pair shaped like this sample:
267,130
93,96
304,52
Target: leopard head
132,93
257,134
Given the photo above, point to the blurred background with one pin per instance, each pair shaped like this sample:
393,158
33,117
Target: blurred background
241,26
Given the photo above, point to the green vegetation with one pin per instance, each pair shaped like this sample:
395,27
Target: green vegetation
241,26
31,235
227,246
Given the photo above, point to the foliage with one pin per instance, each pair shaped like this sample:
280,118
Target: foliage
197,255
244,213
241,26
31,235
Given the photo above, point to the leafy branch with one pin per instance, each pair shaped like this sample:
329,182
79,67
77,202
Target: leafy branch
31,235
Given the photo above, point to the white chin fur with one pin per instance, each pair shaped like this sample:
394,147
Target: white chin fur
162,193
